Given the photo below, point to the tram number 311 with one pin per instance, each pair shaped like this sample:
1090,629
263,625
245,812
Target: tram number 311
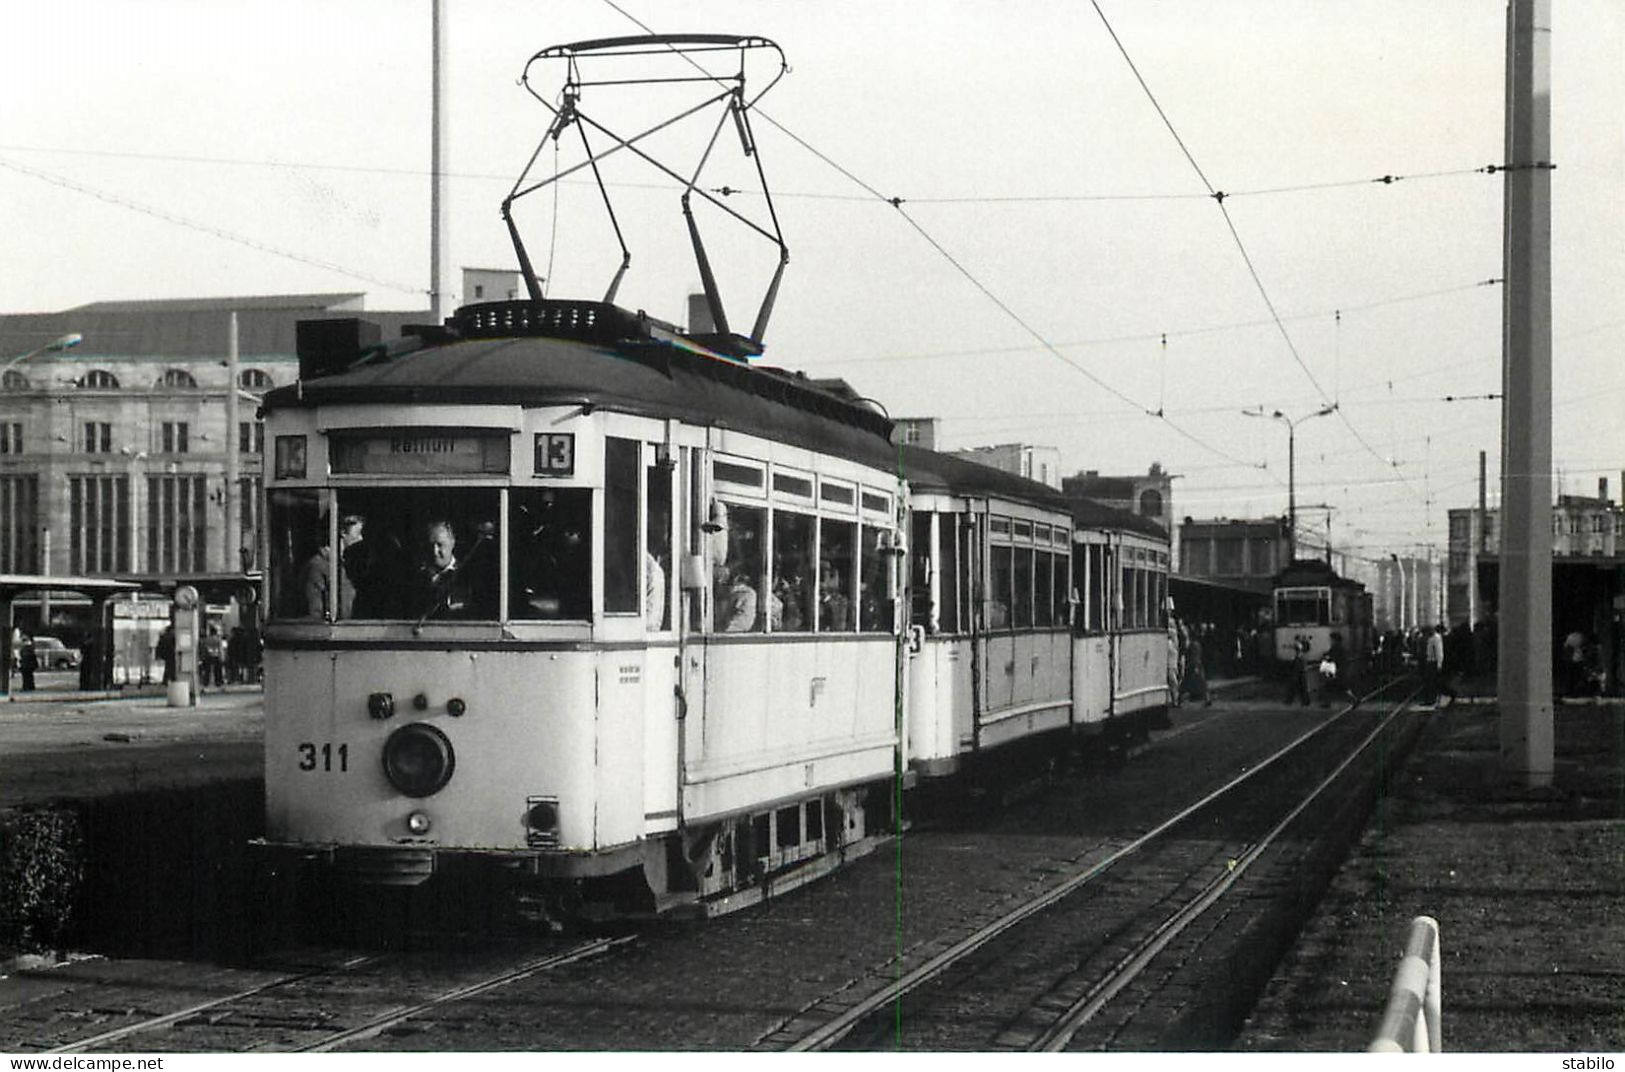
323,756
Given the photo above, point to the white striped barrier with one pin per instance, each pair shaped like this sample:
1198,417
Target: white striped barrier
1410,1023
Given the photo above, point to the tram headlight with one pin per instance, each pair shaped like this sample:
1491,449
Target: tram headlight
542,820
419,760
381,705
418,823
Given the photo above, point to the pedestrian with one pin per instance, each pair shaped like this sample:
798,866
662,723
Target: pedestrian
236,658
1176,689
1433,682
1298,687
212,657
28,662
1196,671
166,654
1336,672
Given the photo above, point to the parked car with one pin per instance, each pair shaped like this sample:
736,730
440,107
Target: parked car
55,655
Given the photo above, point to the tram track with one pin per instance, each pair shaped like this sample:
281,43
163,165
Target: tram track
1054,1017
293,1013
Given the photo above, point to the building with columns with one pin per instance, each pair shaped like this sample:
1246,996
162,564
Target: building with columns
114,454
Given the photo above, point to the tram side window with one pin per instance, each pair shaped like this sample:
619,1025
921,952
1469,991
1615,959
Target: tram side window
622,522
1001,581
921,558
737,573
874,595
1022,588
299,556
790,608
1063,591
550,554
656,582
837,556
1043,587
949,583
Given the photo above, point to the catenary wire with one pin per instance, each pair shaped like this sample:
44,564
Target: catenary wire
209,229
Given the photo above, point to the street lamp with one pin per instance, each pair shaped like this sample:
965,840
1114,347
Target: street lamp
1291,468
61,342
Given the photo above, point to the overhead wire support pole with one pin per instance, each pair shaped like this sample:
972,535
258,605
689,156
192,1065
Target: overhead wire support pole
1524,674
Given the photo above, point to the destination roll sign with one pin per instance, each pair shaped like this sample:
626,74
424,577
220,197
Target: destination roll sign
421,450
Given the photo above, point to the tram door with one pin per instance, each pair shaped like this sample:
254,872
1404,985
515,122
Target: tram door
661,620
1112,592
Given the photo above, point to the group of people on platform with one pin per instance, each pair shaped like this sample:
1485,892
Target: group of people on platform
233,659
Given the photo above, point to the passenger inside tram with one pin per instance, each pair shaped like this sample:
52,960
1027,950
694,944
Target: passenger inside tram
834,608
550,556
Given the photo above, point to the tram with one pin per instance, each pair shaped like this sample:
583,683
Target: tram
595,607
1312,603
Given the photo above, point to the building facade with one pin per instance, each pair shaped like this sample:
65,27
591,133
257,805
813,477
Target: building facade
114,454
1583,528
1042,464
1150,496
1245,551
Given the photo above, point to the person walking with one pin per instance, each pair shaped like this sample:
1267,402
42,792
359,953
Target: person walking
1298,687
28,662
1196,671
1433,681
212,658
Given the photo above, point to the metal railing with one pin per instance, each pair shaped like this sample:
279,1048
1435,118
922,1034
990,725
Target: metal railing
1410,1023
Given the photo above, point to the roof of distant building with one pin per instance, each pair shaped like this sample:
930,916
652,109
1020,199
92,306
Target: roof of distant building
189,327
338,300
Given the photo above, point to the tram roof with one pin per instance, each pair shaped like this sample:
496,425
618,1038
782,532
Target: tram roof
1313,572
512,353
649,377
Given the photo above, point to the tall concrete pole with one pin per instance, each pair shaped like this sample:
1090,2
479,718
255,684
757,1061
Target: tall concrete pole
231,559
1291,493
437,170
1525,644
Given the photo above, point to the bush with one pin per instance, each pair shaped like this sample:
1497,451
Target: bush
42,867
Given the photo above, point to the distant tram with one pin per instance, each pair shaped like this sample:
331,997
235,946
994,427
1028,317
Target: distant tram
1311,601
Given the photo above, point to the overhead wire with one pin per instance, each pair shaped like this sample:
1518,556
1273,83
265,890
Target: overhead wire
205,228
1219,198
988,199
970,277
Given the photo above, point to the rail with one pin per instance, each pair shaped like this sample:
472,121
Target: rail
1410,1023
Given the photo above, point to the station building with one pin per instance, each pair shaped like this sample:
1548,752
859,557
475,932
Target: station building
1588,577
114,452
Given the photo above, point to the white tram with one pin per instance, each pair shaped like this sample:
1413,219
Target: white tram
1032,616
663,660
668,651
1120,676
1311,604
560,591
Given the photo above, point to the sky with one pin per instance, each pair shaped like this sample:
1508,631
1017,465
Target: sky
998,213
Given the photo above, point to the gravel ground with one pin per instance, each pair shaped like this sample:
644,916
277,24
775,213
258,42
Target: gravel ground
1528,887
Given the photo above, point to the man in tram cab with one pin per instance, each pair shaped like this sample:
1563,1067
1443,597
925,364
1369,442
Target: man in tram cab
444,585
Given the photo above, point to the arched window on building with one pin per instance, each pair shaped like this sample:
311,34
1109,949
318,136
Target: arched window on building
99,379
14,381
254,380
176,378
1150,503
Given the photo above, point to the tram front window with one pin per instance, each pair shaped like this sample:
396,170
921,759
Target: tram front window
1302,608
550,554
391,554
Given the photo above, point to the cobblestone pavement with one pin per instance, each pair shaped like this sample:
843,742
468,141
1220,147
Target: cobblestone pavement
1528,887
